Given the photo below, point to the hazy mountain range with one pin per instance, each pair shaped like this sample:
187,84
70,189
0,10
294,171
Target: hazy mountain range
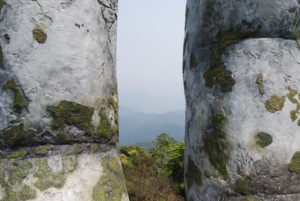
141,128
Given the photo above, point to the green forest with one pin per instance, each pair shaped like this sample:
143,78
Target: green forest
156,175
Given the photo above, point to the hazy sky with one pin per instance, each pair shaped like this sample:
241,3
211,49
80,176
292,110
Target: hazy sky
149,55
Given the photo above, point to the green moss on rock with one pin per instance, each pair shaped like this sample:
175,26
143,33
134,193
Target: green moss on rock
19,172
17,136
216,145
252,199
26,193
39,35
263,139
42,150
95,147
217,73
294,165
63,138
242,186
193,174
104,129
219,77
260,83
111,185
21,153
46,178
71,113
275,103
19,100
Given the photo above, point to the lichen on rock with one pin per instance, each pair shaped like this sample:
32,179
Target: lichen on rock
193,174
16,136
71,113
39,35
294,165
21,153
110,186
46,178
19,99
216,145
42,150
19,172
275,103
26,193
260,83
263,139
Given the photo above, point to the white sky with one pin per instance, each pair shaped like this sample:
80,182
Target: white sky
149,55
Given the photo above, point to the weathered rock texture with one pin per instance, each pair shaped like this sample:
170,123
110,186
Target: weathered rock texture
58,101
241,76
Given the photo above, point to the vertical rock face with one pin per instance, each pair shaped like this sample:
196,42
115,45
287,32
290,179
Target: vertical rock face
58,101
241,77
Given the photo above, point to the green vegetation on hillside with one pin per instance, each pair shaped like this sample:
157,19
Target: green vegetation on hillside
157,175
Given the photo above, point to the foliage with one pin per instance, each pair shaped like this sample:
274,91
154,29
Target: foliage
157,175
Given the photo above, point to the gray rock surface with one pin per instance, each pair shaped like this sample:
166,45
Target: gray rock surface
241,76
58,101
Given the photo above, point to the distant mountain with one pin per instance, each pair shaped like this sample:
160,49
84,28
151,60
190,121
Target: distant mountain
138,127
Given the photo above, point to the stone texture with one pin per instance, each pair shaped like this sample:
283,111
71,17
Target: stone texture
232,44
57,87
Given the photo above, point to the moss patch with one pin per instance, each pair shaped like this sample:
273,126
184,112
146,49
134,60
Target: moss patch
111,185
104,129
217,74
27,193
64,138
95,147
216,145
46,178
260,83
39,35
19,100
42,150
18,174
252,199
72,113
193,174
294,165
17,136
263,139
275,103
21,153
219,77
242,186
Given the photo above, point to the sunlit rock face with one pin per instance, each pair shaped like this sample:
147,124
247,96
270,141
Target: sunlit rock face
241,76
58,101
